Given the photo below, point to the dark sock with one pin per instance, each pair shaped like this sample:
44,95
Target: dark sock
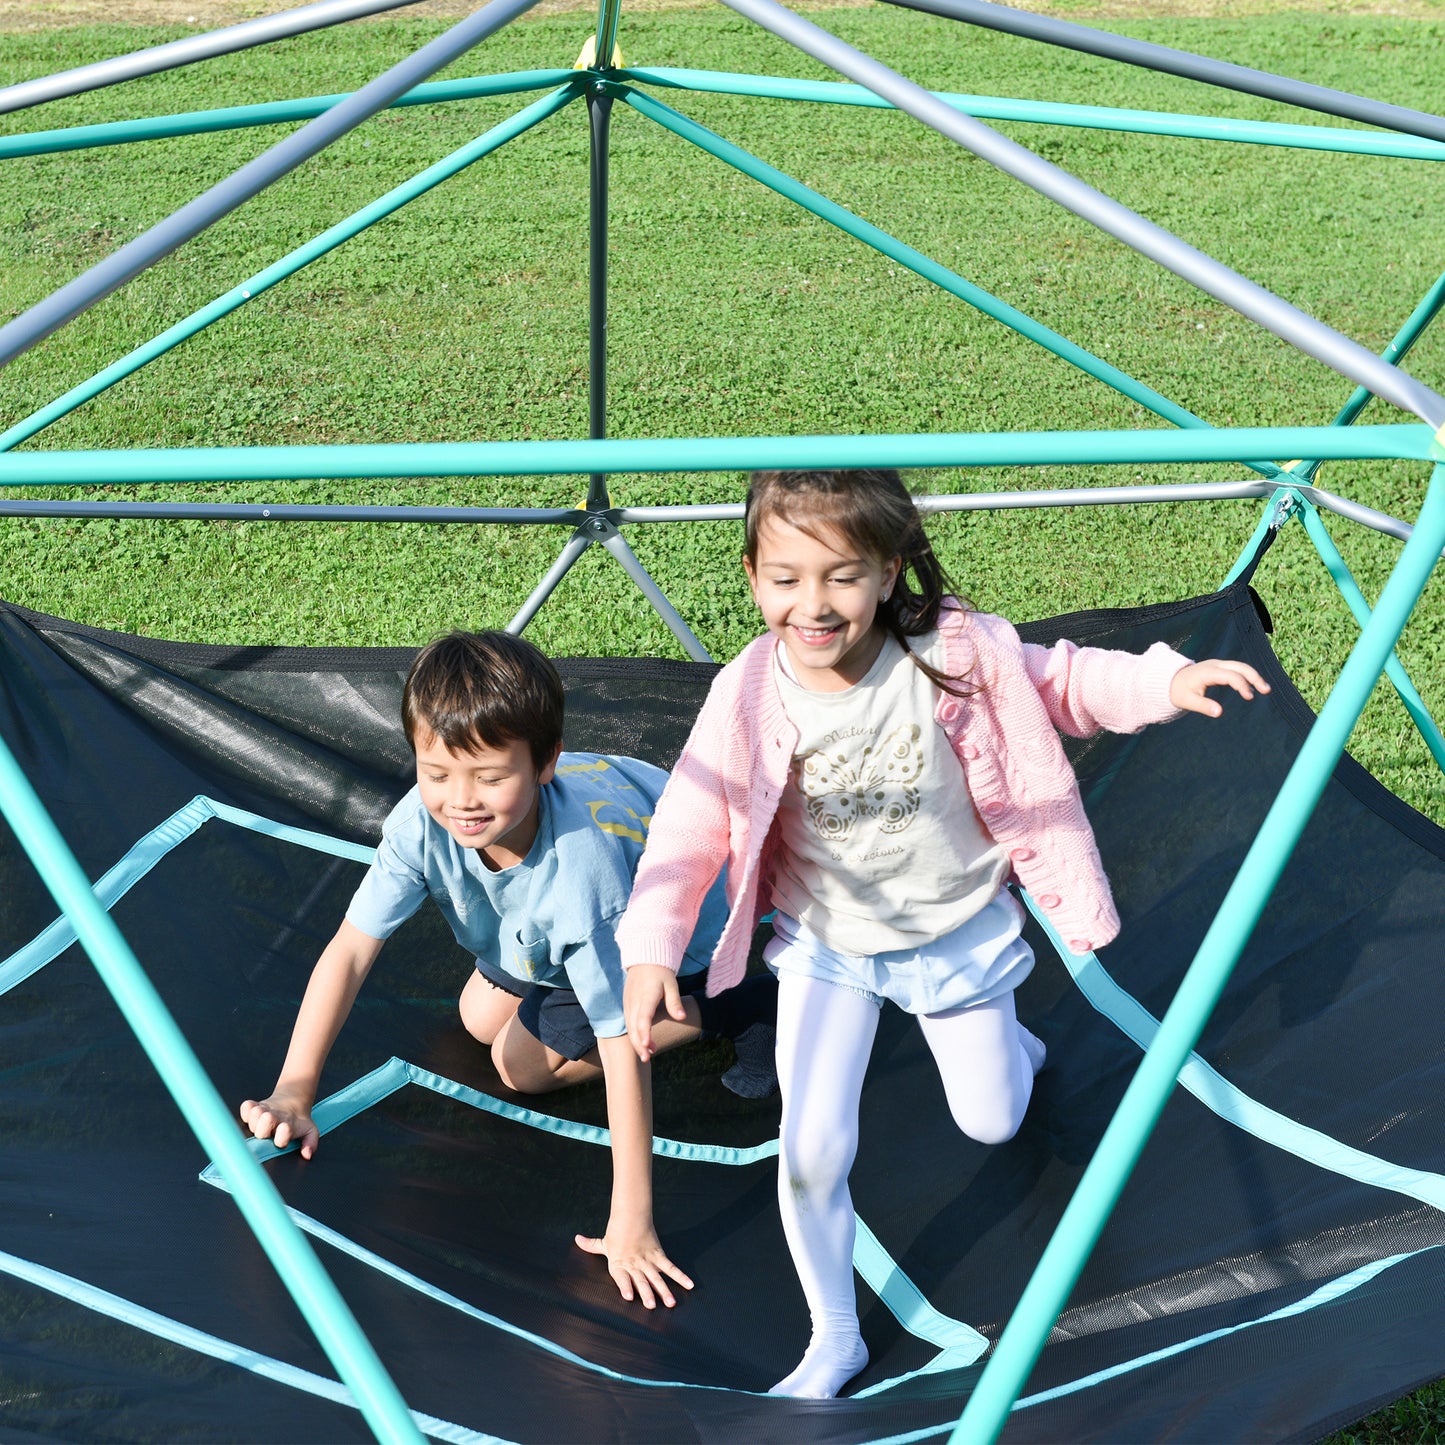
748,1015
755,1075
754,1000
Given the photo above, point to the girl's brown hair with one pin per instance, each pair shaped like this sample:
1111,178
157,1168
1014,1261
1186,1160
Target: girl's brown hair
871,510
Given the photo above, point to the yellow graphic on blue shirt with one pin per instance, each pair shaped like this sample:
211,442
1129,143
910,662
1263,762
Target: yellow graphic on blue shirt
616,826
523,964
880,786
628,824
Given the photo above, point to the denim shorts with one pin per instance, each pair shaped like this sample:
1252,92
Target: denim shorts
555,1016
983,958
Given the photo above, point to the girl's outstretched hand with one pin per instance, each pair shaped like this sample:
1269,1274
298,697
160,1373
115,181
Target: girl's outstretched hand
1190,687
647,987
638,1264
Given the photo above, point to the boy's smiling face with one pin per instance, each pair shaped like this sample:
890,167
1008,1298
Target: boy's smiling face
486,797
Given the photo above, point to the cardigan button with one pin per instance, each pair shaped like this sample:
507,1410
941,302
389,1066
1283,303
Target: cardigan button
969,751
991,809
1021,855
1049,900
1079,945
949,711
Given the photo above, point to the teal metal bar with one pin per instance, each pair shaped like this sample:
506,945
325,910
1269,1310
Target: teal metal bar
1302,472
1395,352
121,266
280,112
1007,1371
1355,600
328,240
1404,339
709,454
1043,112
311,1287
984,107
1270,521
917,262
1274,313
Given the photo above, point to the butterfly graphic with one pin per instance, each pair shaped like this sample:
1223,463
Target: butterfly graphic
881,786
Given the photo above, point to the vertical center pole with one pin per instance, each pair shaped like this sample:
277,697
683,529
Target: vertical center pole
599,114
609,13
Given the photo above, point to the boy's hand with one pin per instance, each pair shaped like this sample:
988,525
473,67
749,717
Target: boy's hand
283,1119
648,987
1190,688
637,1263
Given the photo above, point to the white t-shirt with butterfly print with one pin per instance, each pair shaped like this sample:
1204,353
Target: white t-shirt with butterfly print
882,848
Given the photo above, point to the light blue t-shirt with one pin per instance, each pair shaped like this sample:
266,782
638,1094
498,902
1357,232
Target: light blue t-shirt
551,918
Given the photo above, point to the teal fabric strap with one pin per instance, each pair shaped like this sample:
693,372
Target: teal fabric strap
1231,1103
372,1088
128,1312
1328,1293
958,1343
54,940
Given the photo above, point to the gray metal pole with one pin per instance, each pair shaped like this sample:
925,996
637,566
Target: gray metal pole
1102,496
1312,337
609,13
988,501
164,237
186,52
720,512
1357,512
616,543
577,544
1181,62
294,512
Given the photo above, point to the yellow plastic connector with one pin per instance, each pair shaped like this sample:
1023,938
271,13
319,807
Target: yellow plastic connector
587,56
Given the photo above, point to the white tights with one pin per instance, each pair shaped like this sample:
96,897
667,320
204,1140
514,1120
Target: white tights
987,1061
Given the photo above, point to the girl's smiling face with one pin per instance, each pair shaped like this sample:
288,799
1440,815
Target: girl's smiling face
821,599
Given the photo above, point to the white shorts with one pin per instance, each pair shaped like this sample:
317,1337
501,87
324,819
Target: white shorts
981,959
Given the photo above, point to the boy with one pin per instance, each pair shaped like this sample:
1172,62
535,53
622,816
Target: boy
529,853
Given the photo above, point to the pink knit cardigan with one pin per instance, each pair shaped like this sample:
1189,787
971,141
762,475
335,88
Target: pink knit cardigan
720,804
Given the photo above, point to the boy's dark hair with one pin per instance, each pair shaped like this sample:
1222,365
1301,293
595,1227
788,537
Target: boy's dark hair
871,510
487,689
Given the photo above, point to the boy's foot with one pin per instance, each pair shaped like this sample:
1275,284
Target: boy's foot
755,1075
748,1015
828,1365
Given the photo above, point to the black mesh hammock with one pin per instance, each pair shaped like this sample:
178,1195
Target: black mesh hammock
1271,1271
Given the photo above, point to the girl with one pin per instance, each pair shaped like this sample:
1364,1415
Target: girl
874,769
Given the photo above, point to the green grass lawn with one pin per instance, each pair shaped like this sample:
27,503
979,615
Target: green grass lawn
465,317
